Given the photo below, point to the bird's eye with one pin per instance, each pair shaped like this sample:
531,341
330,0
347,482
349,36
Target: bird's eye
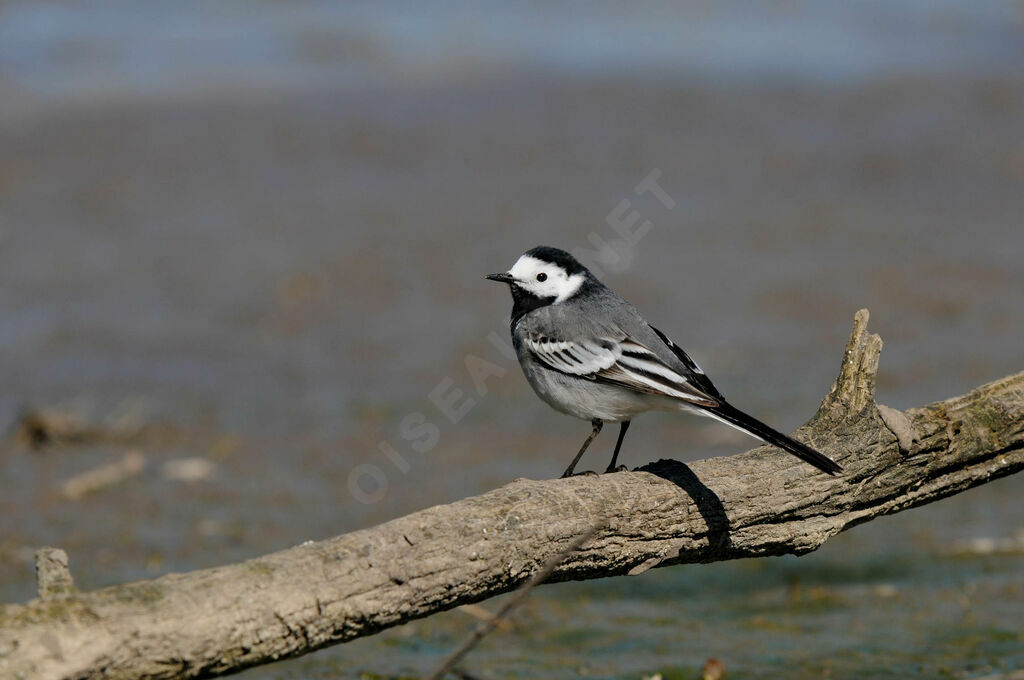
542,277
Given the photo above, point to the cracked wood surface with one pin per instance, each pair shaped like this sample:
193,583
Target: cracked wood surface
216,621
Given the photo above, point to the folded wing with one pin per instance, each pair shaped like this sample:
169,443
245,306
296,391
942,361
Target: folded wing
620,361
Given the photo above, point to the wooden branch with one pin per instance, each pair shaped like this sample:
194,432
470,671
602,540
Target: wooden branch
520,596
762,502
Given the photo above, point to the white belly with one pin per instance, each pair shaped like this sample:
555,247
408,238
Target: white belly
588,399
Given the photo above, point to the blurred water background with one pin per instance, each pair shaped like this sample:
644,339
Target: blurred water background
259,230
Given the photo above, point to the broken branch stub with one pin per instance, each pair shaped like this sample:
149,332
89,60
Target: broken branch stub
854,389
53,576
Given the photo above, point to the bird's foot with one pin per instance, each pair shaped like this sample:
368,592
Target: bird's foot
585,473
621,468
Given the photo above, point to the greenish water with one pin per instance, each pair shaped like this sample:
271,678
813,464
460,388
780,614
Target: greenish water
270,243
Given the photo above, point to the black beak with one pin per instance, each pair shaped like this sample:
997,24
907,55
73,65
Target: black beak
503,277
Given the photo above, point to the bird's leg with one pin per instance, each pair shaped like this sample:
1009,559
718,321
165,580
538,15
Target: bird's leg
597,428
623,426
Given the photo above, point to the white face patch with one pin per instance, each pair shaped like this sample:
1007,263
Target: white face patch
545,280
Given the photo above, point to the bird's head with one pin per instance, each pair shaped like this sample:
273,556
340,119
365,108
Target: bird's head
544,273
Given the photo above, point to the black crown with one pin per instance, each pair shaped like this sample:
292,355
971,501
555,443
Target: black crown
557,257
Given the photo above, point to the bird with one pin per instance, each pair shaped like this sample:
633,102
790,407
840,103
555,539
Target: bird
590,354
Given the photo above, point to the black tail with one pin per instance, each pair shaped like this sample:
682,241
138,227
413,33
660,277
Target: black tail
755,427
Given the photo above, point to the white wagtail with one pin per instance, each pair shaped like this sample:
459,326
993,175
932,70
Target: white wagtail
589,353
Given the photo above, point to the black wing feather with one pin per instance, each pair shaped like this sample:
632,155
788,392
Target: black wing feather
697,376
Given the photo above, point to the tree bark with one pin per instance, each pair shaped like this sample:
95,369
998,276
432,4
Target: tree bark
221,620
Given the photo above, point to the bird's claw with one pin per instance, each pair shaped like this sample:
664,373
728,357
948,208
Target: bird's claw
621,468
585,473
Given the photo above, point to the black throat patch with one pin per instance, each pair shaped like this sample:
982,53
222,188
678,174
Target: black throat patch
524,302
